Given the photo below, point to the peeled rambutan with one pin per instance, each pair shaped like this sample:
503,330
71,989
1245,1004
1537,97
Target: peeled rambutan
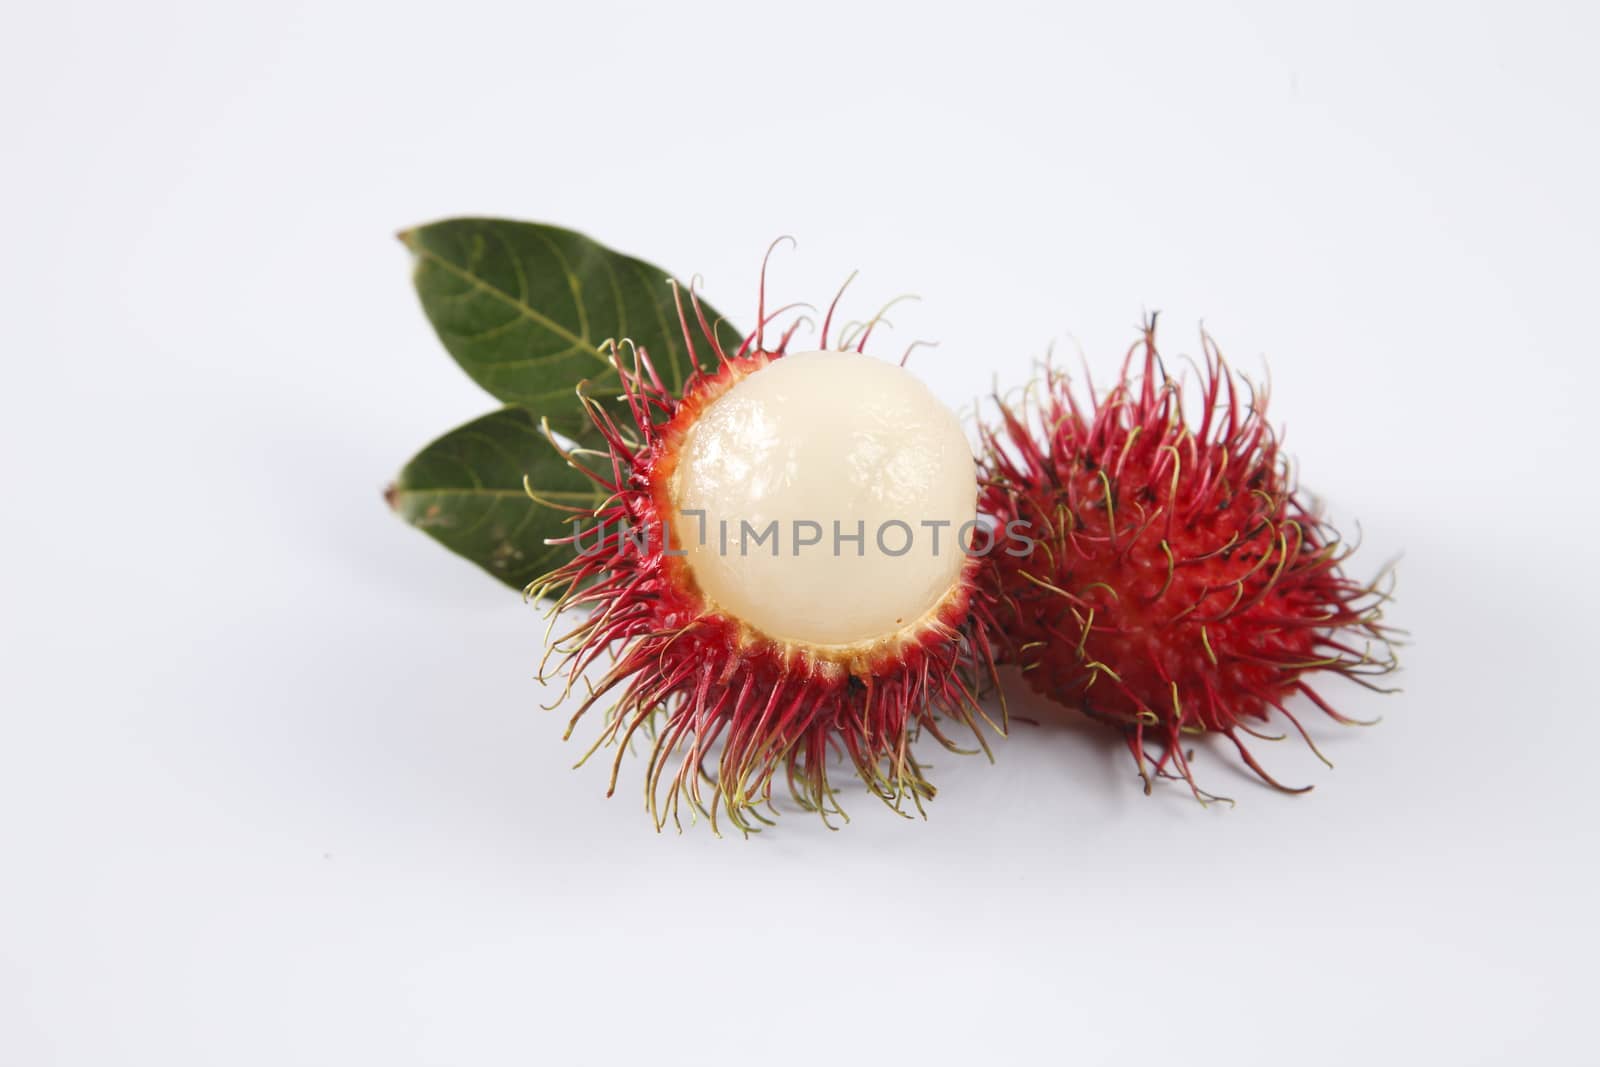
764,586
1179,583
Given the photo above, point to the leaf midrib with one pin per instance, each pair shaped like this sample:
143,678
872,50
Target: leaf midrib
504,297
557,494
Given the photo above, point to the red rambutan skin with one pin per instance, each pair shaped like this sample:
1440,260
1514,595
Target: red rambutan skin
728,709
1179,583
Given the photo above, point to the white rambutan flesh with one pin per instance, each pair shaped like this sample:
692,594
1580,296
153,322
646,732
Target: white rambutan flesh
822,500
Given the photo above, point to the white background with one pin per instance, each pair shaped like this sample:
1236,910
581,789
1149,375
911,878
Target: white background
275,787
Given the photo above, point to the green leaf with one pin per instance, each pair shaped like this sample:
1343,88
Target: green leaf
465,490
524,308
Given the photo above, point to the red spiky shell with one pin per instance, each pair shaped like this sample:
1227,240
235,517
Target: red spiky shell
728,709
1179,584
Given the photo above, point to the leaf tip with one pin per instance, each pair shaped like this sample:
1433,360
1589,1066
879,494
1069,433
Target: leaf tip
391,496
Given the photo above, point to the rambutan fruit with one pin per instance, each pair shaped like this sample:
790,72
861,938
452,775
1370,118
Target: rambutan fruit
1179,584
767,579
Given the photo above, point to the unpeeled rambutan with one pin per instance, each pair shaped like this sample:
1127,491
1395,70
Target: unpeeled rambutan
744,665
1179,584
